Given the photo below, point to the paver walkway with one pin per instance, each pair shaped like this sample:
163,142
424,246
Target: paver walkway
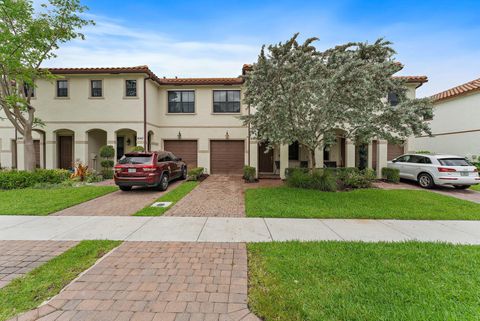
118,203
217,196
465,194
20,257
157,281
226,229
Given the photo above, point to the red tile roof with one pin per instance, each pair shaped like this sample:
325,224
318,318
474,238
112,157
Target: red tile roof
463,89
147,71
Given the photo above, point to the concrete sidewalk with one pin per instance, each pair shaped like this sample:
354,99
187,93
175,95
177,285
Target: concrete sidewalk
203,229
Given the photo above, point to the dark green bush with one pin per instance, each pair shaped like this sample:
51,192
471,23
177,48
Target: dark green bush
352,177
107,163
107,151
391,175
194,174
318,179
138,149
107,173
22,179
249,174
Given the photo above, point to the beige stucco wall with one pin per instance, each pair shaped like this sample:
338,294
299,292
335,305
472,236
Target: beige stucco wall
455,126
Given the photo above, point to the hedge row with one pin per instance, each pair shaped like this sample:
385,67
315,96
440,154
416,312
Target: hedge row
13,179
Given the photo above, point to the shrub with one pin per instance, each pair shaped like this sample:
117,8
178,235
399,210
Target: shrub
22,179
194,174
318,179
107,151
249,174
107,163
138,149
107,173
63,184
423,152
355,178
391,175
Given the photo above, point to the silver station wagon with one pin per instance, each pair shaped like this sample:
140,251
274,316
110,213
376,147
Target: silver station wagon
431,169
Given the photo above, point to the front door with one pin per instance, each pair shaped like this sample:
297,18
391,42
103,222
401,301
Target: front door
120,147
65,152
265,159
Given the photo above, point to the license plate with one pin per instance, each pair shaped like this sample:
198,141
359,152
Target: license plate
464,173
132,170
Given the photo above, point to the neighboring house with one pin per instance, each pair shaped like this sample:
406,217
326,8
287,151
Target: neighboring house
456,122
195,118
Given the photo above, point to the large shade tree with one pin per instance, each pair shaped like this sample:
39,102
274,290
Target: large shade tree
27,39
298,93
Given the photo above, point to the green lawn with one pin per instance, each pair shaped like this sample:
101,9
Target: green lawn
365,203
46,201
47,280
364,281
173,196
476,188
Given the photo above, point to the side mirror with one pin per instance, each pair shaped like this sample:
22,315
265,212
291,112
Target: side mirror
179,158
394,160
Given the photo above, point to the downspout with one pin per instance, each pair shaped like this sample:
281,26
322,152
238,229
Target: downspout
145,112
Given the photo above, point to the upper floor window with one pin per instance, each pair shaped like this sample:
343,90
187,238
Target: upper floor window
131,88
62,88
181,101
393,99
29,91
226,101
96,88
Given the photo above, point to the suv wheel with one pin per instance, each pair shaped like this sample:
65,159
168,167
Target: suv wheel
125,188
163,183
425,180
184,172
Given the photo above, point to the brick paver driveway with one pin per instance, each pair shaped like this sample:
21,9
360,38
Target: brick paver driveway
158,281
20,257
218,195
117,203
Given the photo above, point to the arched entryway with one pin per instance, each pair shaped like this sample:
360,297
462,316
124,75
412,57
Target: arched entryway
65,148
96,139
39,146
149,140
126,140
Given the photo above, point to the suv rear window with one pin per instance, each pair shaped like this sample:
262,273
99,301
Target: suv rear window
136,159
454,162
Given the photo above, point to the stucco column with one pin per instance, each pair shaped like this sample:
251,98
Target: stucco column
381,156
349,153
253,148
319,157
283,160
370,155
20,154
81,148
50,150
112,140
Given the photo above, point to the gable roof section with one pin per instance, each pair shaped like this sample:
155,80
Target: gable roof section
149,73
460,90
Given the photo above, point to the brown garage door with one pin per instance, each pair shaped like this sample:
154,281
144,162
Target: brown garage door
227,156
186,149
394,150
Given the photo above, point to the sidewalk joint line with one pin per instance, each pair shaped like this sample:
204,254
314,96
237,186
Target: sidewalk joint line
137,229
331,229
268,229
396,229
201,231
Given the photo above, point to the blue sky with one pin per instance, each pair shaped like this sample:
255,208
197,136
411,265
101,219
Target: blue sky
439,39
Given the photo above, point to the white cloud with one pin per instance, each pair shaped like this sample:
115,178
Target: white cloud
111,44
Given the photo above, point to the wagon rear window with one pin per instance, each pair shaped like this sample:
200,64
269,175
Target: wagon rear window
454,162
135,159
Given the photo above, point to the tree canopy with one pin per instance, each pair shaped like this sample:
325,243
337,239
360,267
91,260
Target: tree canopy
298,93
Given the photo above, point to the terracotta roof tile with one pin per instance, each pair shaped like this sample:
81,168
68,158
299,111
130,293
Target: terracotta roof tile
202,81
463,89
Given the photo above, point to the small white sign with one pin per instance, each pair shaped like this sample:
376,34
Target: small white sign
161,204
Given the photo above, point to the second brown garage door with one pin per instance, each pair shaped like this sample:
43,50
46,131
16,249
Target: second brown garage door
227,156
394,150
186,149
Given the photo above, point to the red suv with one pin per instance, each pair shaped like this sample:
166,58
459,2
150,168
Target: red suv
152,169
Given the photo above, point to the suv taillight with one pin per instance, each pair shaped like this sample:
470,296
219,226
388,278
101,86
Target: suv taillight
445,169
149,169
118,169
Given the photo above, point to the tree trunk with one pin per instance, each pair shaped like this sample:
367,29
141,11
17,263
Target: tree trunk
29,150
311,159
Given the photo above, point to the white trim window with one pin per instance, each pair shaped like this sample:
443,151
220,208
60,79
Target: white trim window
181,101
131,88
226,101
